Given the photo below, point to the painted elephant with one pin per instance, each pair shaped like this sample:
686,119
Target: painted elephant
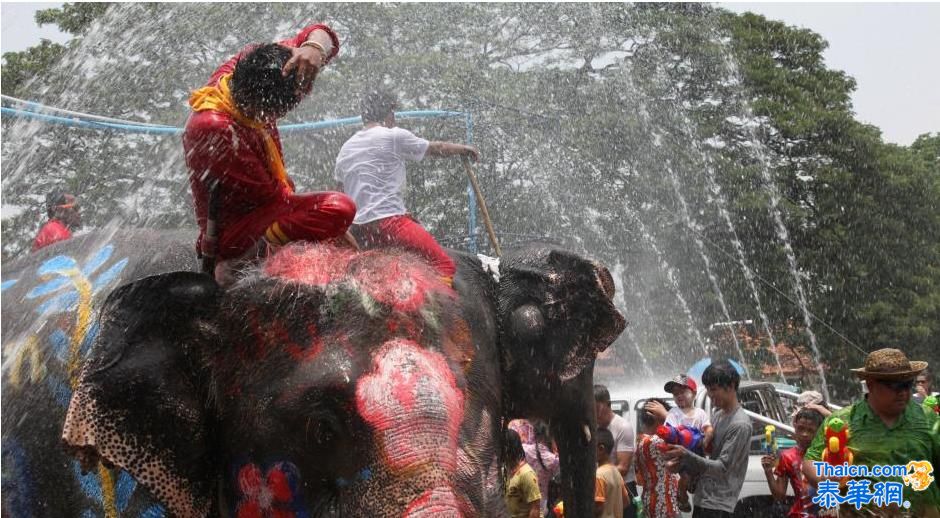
325,382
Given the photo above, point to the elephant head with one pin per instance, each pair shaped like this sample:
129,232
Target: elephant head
556,314
330,381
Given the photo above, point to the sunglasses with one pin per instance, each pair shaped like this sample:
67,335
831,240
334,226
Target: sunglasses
898,386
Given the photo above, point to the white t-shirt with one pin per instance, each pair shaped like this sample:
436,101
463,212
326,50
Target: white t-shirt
625,441
371,166
699,418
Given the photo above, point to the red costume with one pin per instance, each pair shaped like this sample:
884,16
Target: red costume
253,201
52,232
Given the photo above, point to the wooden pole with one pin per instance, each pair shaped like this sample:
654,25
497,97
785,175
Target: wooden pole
482,203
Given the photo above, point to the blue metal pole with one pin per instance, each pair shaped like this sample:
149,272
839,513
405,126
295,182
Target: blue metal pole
471,201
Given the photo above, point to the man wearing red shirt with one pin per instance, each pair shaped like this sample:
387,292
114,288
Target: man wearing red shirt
64,217
233,148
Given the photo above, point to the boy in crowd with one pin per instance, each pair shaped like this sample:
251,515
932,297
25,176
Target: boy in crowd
610,493
720,474
685,413
660,487
788,467
523,498
621,455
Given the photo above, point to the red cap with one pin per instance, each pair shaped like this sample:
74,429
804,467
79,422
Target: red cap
681,380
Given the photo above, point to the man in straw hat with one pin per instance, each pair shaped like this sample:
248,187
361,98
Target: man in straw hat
886,428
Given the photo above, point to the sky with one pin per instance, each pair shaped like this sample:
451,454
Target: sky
889,48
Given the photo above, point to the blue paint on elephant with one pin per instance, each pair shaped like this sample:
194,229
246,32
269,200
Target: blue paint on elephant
59,390
59,304
56,264
108,275
47,287
91,485
59,342
8,284
60,266
154,511
17,484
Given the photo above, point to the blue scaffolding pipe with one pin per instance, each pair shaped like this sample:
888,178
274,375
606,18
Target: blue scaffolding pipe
87,121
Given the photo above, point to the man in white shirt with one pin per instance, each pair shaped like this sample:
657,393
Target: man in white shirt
370,168
624,443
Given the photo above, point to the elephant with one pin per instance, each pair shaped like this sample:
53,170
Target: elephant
324,382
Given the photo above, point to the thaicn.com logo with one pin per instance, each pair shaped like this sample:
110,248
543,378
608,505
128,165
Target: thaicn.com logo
860,490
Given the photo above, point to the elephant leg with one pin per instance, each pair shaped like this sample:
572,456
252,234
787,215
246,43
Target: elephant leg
573,427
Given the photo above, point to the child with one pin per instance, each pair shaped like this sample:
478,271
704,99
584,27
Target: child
789,466
685,413
610,493
660,487
522,495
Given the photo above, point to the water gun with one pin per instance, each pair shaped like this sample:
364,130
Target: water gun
931,407
837,451
770,440
932,404
559,509
689,437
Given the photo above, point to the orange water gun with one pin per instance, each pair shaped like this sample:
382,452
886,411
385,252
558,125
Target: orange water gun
837,450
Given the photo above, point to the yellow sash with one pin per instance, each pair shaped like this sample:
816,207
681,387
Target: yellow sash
219,98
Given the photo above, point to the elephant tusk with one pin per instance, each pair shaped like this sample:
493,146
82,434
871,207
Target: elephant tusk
587,434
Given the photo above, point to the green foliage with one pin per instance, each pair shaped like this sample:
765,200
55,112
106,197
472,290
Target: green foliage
20,67
73,18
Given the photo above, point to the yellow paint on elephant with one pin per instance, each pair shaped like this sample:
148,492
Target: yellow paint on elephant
83,319
37,366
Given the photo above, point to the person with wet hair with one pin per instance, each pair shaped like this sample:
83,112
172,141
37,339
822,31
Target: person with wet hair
522,488
720,474
64,218
244,200
621,455
660,486
786,467
370,168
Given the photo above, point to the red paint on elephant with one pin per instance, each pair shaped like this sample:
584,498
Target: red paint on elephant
434,503
317,265
411,400
270,495
400,280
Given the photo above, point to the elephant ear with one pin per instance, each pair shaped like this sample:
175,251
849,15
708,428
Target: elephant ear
141,402
557,310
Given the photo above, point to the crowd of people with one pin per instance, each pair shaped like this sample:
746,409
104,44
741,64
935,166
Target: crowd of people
652,473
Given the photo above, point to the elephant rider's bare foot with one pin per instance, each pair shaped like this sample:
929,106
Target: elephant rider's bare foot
226,271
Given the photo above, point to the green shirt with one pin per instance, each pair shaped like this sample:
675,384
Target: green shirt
911,438
521,490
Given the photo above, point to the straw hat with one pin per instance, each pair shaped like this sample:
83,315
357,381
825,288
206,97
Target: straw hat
889,364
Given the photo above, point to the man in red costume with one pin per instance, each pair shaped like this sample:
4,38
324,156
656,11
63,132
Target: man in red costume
233,148
64,217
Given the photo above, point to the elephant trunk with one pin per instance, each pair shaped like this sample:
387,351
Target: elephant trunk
577,444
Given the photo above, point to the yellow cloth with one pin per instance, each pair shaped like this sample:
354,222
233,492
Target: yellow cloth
522,490
219,98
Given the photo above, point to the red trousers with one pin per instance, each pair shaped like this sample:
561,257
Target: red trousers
303,217
407,233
